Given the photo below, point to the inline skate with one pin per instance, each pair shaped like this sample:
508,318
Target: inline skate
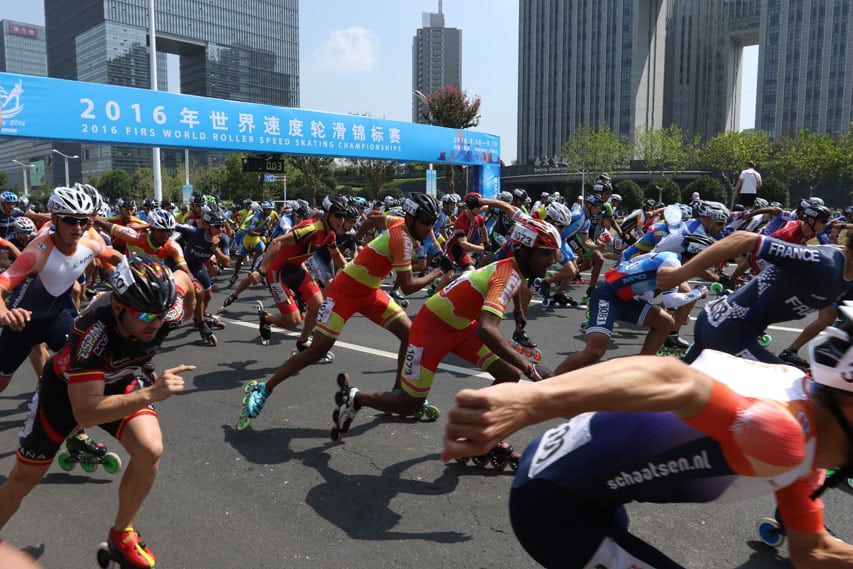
124,550
229,300
345,407
791,357
426,412
83,450
523,345
207,337
264,328
499,457
674,345
256,395
327,358
401,299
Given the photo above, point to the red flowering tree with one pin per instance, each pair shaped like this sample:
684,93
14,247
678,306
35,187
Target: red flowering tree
450,107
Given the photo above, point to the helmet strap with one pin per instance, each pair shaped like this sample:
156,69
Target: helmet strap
830,400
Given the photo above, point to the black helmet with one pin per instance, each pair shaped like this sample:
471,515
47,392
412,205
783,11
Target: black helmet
213,217
144,284
332,204
302,208
649,202
817,212
695,243
594,200
519,194
421,206
126,201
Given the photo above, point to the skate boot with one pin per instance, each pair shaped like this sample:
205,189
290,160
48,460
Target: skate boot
256,395
83,450
401,299
428,412
232,280
301,346
791,357
346,407
523,345
433,288
229,300
213,322
124,548
586,297
207,337
543,288
563,300
264,328
674,346
500,457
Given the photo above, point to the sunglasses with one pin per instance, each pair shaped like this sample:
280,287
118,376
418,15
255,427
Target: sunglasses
338,215
69,220
147,317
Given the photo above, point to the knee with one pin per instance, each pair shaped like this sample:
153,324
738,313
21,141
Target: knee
147,452
594,353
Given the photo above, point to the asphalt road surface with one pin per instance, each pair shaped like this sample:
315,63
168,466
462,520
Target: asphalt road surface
281,494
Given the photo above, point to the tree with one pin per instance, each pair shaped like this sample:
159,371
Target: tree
774,190
114,184
665,151
595,151
810,158
376,172
728,153
4,180
312,168
710,189
449,107
143,184
663,190
632,195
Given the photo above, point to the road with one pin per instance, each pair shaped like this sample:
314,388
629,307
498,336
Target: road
281,494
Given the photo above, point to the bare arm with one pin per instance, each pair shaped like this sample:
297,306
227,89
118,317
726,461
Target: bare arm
818,551
483,417
730,247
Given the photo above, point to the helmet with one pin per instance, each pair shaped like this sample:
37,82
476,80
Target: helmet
148,203
396,211
302,208
605,176
817,212
505,196
738,207
161,219
104,210
594,200
695,243
213,217
519,194
126,201
70,201
558,213
422,207
332,204
9,197
472,200
615,198
255,207
352,212
649,202
267,205
360,201
144,284
23,224
816,201
759,203
686,211
449,198
93,193
247,202
715,210
830,354
848,209
535,233
210,200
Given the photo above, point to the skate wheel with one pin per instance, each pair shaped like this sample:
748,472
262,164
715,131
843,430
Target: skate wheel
587,314
243,423
850,482
481,460
343,380
519,348
771,532
245,400
546,302
251,386
336,434
89,466
499,462
212,341
463,459
103,556
537,355
112,463
765,340
528,353
339,398
513,463
432,413
64,461
404,303
328,358
662,352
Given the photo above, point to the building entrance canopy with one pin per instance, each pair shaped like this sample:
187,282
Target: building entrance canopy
58,109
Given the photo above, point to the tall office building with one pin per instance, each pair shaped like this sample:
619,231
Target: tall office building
436,59
634,64
22,50
244,51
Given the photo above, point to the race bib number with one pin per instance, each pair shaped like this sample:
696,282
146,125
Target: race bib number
278,294
412,363
717,311
560,441
324,315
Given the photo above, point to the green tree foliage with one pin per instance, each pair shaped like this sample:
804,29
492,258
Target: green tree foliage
663,190
666,152
451,108
728,153
810,158
4,181
114,184
594,151
312,168
632,195
376,172
710,189
143,184
774,190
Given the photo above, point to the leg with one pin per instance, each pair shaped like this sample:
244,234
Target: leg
596,345
825,317
661,324
38,358
22,479
313,307
143,441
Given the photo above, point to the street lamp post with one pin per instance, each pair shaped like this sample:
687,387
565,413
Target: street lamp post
67,158
26,169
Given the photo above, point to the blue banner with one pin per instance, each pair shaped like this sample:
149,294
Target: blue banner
57,109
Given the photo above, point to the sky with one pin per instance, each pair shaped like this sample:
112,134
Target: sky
355,56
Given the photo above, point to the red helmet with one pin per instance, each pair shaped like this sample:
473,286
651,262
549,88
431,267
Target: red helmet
535,233
472,200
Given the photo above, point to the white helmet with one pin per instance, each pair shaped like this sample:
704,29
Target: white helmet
70,201
93,193
161,219
558,213
23,224
831,353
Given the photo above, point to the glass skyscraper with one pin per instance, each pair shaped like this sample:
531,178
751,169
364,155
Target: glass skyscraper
245,50
436,59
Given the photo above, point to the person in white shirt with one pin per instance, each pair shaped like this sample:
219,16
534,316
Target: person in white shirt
747,186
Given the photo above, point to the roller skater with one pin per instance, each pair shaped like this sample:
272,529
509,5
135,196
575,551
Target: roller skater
301,346
264,328
346,407
256,395
500,457
522,344
83,450
123,549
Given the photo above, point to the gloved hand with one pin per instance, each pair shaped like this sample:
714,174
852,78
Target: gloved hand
537,372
